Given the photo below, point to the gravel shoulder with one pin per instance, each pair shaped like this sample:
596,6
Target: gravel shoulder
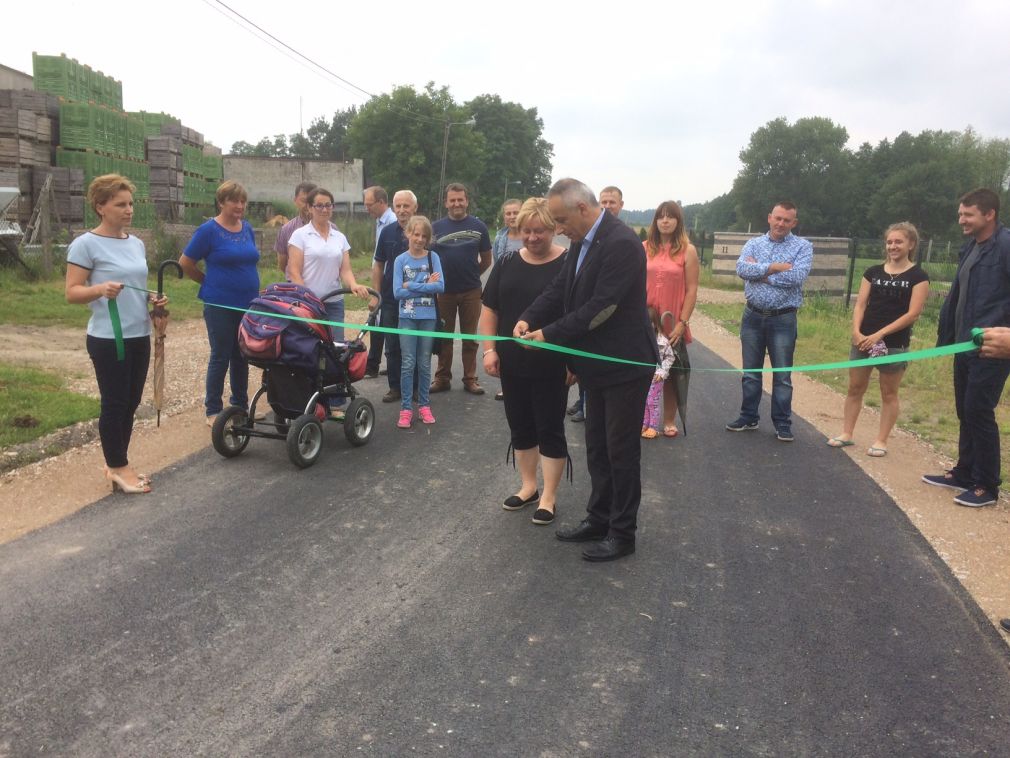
973,542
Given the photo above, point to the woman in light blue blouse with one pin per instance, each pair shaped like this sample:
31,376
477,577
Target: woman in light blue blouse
107,270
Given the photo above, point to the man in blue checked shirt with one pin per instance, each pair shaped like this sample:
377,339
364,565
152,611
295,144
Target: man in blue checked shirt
773,267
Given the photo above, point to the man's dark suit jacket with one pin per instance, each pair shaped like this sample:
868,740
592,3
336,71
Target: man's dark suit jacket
601,309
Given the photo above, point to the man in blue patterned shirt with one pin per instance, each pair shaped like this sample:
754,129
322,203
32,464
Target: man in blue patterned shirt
773,267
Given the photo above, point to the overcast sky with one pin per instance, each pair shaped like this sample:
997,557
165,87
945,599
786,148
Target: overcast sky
658,98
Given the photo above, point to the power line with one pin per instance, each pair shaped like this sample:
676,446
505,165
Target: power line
319,66
267,39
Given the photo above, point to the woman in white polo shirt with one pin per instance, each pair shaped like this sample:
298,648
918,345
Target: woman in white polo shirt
319,258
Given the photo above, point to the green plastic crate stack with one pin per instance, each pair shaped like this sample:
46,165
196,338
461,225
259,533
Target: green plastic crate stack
143,215
134,138
153,121
91,163
78,126
57,75
192,160
213,168
137,172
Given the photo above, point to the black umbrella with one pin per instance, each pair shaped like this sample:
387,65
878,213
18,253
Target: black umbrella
680,373
159,318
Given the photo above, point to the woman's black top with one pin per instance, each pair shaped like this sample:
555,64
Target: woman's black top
890,298
511,287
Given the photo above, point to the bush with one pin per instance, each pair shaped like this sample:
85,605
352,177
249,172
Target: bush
166,247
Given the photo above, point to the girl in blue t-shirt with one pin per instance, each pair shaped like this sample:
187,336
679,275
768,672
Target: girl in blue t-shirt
417,278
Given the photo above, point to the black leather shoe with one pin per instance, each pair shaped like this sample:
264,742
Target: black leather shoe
608,549
514,502
585,531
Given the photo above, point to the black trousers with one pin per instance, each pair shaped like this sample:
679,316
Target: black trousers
121,386
389,316
978,384
376,340
535,411
614,454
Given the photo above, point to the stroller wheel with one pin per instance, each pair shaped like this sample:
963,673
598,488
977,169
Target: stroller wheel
359,421
230,434
305,440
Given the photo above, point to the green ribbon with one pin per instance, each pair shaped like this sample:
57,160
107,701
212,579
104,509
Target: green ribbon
915,355
117,329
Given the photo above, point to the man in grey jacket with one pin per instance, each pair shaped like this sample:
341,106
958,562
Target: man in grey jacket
979,297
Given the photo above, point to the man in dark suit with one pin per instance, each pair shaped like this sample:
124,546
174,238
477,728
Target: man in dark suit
597,304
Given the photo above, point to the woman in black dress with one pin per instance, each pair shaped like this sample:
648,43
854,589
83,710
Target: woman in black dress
891,297
533,381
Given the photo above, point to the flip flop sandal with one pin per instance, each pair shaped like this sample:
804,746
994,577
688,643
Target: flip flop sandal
839,442
670,431
876,452
650,434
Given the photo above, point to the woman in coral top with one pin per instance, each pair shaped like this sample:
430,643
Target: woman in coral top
672,286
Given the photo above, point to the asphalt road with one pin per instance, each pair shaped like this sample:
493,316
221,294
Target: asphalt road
383,602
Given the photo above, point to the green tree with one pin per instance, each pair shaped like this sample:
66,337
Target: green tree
718,214
805,162
399,136
516,160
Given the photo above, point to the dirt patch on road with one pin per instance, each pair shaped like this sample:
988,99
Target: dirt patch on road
973,542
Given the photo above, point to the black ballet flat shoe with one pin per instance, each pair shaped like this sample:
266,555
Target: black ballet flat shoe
543,516
515,503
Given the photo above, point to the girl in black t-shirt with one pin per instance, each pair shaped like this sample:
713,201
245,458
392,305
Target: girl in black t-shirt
891,297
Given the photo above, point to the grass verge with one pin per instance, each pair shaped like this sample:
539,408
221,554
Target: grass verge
927,395
34,403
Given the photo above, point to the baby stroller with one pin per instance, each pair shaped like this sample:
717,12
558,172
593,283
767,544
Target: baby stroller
302,367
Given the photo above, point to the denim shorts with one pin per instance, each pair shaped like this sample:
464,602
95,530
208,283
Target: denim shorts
855,354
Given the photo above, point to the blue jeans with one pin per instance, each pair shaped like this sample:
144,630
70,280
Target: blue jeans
335,312
776,336
415,351
222,333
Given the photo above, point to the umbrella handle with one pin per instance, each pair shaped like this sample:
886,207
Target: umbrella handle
161,274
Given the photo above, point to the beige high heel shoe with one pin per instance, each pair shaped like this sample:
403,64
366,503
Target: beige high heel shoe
145,478
127,489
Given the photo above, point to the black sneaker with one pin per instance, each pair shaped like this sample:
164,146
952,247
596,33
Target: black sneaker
976,498
741,426
784,435
371,373
579,416
1004,624
946,479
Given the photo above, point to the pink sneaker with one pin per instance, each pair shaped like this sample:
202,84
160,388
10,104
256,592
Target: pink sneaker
405,419
425,413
